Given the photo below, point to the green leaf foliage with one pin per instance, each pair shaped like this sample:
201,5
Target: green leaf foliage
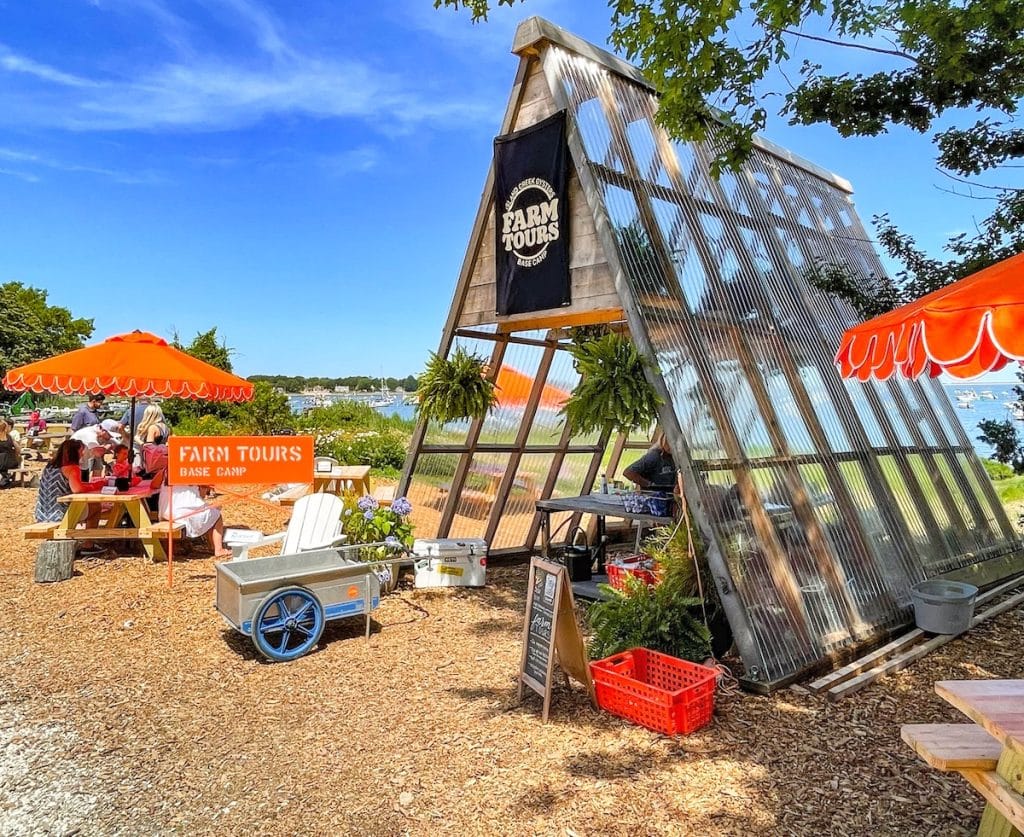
31,329
613,389
666,618
455,387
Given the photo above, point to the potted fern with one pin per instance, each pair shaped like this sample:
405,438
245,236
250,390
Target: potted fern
613,390
667,617
455,387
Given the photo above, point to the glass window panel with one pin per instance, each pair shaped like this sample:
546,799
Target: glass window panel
919,413
994,528
784,405
865,415
516,376
890,563
906,504
970,530
822,402
520,507
429,488
691,407
822,609
746,417
928,478
476,499
892,414
549,423
597,135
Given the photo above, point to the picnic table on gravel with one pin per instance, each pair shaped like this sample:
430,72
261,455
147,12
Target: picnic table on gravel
131,502
988,753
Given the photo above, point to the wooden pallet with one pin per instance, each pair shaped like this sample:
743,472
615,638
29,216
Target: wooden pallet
904,650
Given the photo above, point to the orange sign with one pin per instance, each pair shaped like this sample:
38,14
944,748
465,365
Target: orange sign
226,460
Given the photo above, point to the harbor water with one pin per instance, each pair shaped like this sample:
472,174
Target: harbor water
972,403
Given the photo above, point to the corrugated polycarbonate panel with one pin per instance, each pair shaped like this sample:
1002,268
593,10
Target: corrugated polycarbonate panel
428,490
819,491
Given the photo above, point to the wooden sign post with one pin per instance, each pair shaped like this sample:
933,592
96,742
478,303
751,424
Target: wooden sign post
550,627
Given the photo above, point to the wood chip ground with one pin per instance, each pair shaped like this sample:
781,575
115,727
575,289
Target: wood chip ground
130,708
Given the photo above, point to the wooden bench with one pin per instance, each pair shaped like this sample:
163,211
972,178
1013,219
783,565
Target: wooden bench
970,751
949,747
22,477
384,494
38,531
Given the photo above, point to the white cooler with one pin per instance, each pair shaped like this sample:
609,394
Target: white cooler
450,562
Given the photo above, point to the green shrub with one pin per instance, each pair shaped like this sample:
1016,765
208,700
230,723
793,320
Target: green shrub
997,470
383,450
666,618
206,425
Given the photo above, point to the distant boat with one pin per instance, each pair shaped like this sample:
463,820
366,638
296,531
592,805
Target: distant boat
987,395
385,399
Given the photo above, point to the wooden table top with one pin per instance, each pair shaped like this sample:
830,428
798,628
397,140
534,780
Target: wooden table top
609,505
996,705
344,472
143,489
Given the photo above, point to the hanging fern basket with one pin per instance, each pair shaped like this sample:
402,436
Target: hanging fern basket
454,388
613,390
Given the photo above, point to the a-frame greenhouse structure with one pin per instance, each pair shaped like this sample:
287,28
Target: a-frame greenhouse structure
820,501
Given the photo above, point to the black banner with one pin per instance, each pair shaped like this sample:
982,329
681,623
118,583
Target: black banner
532,218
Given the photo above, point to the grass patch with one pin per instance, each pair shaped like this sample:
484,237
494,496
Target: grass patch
1009,490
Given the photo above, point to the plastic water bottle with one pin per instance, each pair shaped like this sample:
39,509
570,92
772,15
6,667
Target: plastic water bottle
604,483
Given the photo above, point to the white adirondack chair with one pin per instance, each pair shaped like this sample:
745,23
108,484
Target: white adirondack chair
315,524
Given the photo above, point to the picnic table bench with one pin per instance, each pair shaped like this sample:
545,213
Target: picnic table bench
152,533
988,753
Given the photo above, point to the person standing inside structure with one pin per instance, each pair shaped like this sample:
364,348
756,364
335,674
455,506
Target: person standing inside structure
655,470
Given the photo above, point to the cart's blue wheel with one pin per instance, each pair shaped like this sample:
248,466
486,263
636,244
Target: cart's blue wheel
287,623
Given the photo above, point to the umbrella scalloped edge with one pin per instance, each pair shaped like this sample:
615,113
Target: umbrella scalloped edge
905,348
82,385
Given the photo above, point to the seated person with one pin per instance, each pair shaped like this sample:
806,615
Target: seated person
98,439
63,475
655,470
10,453
36,424
36,427
189,505
121,468
153,428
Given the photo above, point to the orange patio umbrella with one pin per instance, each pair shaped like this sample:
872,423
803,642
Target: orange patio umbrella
514,390
129,365
968,328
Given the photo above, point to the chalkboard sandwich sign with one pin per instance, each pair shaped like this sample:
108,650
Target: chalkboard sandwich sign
550,630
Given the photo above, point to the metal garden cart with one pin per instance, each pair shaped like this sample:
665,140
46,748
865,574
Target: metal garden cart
282,602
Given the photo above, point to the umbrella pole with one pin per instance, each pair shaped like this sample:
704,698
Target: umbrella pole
170,541
131,433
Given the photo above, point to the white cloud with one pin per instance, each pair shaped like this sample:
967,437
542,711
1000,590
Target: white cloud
21,175
33,160
221,91
13,63
351,161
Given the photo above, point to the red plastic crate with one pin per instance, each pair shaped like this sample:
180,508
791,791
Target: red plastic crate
655,690
618,571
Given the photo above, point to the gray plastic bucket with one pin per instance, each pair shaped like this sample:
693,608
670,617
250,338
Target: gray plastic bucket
943,607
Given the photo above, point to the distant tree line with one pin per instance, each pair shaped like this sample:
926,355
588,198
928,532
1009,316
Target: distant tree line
356,383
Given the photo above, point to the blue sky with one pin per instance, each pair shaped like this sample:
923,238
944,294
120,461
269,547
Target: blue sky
303,176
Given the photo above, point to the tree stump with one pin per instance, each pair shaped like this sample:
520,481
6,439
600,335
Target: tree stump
55,561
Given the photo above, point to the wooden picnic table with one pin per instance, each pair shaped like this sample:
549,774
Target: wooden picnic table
989,754
150,532
341,479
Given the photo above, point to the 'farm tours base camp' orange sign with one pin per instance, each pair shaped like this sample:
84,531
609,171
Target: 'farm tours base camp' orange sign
239,459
